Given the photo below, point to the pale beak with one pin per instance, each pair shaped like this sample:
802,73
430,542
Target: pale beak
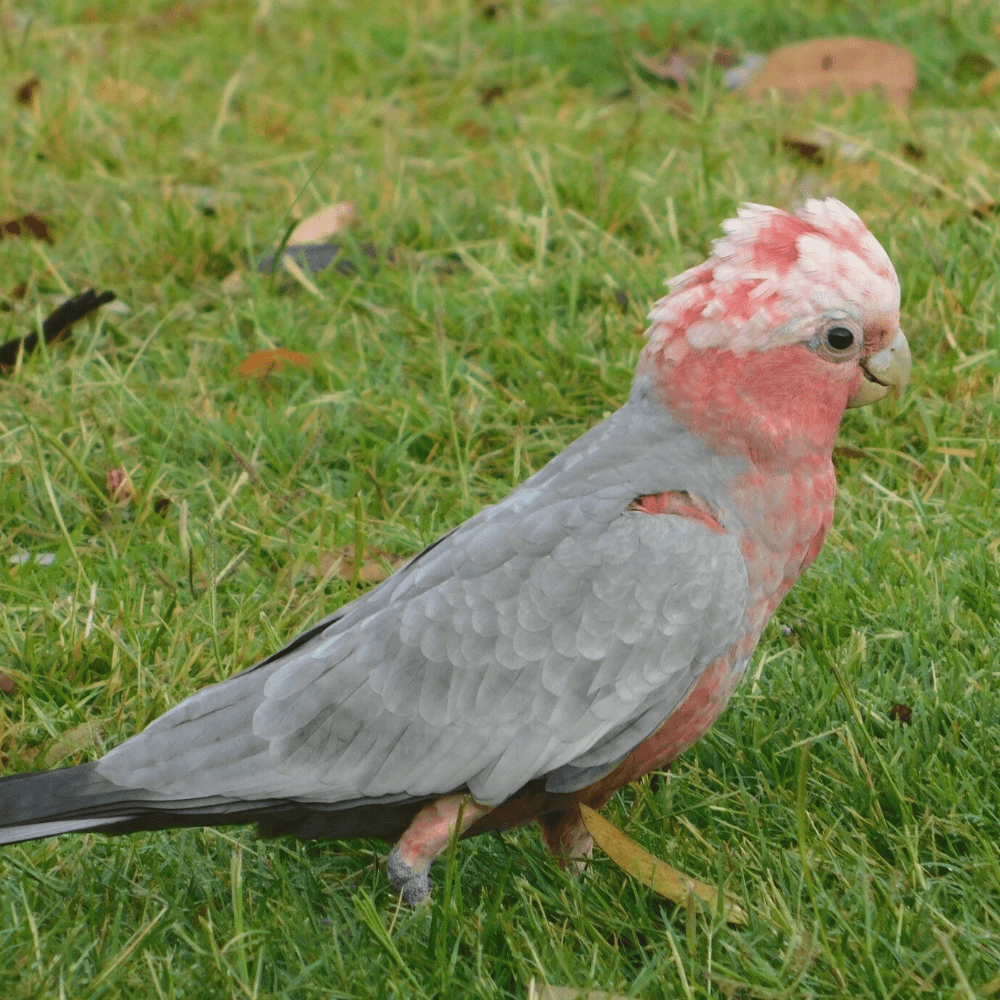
885,372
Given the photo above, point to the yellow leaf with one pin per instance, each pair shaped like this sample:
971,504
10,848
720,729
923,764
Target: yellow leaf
650,870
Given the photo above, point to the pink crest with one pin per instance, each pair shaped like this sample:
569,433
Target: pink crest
771,280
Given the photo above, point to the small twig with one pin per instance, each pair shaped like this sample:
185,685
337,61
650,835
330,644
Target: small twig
55,325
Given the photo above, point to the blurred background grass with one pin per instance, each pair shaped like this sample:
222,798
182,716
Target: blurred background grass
534,187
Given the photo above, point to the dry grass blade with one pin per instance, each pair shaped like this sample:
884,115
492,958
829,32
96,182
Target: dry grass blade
650,870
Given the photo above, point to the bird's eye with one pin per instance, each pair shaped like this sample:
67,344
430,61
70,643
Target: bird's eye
839,338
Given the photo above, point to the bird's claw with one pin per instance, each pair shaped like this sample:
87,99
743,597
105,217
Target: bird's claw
414,886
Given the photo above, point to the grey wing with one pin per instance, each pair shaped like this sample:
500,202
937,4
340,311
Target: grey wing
551,633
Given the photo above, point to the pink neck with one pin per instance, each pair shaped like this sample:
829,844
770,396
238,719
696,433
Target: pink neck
773,407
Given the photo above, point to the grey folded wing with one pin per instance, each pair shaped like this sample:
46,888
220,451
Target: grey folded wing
548,635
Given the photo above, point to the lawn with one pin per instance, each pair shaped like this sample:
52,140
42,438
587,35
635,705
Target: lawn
522,189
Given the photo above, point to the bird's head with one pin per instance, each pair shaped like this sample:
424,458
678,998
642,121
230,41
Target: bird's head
793,318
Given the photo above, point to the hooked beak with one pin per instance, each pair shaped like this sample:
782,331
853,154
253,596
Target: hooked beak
884,372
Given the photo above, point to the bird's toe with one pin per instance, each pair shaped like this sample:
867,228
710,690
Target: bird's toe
414,886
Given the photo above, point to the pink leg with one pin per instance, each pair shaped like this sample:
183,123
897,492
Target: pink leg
425,838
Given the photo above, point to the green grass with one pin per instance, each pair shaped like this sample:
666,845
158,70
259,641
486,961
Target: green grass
866,849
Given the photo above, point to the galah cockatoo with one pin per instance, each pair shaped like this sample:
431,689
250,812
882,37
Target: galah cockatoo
573,637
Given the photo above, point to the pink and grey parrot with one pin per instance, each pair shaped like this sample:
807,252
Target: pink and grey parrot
573,637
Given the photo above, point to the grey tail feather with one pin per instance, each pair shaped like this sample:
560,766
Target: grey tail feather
76,799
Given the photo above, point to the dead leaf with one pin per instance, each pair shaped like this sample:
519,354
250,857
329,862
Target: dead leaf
262,363
17,293
27,91
674,67
489,95
989,83
851,65
724,58
178,14
120,486
472,131
376,565
811,152
306,245
321,225
651,871
181,13
542,991
28,224
7,685
901,713
81,737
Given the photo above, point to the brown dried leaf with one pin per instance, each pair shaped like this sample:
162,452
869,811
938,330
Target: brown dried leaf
489,95
848,64
181,13
675,67
472,130
26,225
27,91
989,83
901,713
650,870
74,740
7,685
321,225
374,562
725,58
812,152
262,363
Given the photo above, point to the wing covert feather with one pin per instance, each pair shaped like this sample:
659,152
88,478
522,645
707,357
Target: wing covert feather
550,633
